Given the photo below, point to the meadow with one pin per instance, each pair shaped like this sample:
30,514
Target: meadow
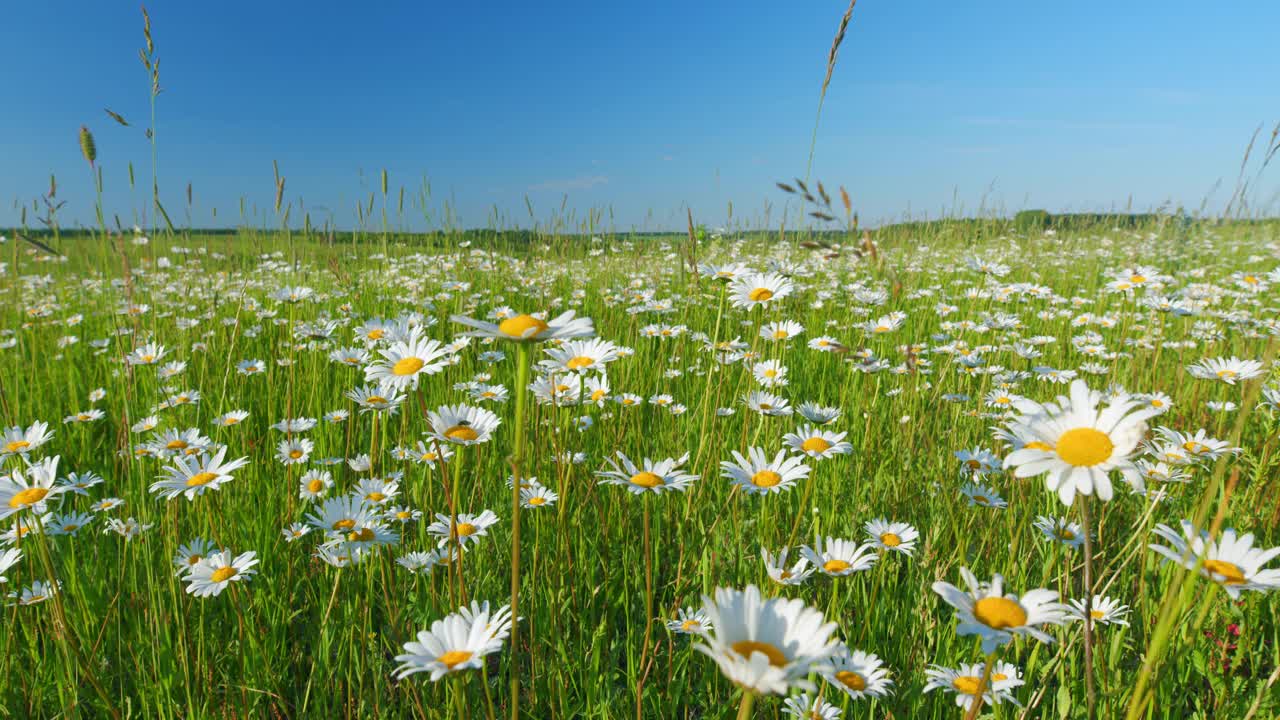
275,474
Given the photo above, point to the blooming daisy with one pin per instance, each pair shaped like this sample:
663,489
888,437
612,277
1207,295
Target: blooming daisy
858,674
751,290
1232,562
195,476
529,328
404,361
212,574
778,570
766,645
838,558
462,424
985,610
895,536
456,643
662,476
468,529
1061,530
1103,610
964,682
1075,446
689,621
817,443
16,441
756,474
31,490
1228,370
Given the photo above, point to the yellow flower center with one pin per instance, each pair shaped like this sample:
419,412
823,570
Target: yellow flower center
223,574
17,445
779,334
315,486
1096,614
453,658
966,684
70,527
1226,374
1065,534
1230,572
766,478
375,497
522,326
1084,447
597,395
176,445
537,500
760,295
361,535
890,540
999,613
689,625
30,496
746,647
1137,279
193,559
816,445
295,454
407,366
375,334
835,566
578,362
1037,445
852,680
466,529
375,400
199,479
462,433
344,524
647,479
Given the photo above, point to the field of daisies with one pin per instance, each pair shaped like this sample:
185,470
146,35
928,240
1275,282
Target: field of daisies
1016,475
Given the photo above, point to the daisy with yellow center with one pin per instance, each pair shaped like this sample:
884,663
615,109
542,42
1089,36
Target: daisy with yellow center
30,488
756,474
654,477
1076,446
985,610
892,536
1230,561
858,674
582,356
838,558
765,645
964,681
529,328
210,575
749,290
817,443
193,476
465,529
462,424
456,643
403,362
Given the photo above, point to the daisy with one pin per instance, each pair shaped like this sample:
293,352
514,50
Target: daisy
767,403
582,356
195,476
1061,530
376,398
770,373
16,441
456,643
985,610
468,529
314,484
1103,610
858,674
1232,562
1075,446
148,354
65,524
895,536
37,592
964,682
662,476
235,417
766,645
838,558
804,707
783,330
212,574
295,531
979,461
529,328
751,290
819,415
537,497
294,452
779,572
376,491
756,474
404,361
817,443
689,621
192,553
1228,370
462,424
31,490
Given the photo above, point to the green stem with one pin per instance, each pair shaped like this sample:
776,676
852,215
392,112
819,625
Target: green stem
517,460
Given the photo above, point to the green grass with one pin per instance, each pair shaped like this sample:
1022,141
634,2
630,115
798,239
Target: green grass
303,639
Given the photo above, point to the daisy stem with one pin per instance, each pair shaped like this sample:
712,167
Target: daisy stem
516,460
976,705
1090,691
744,710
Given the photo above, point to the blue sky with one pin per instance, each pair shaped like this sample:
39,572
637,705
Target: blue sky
641,108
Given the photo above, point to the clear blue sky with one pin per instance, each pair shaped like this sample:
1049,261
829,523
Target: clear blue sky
642,107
